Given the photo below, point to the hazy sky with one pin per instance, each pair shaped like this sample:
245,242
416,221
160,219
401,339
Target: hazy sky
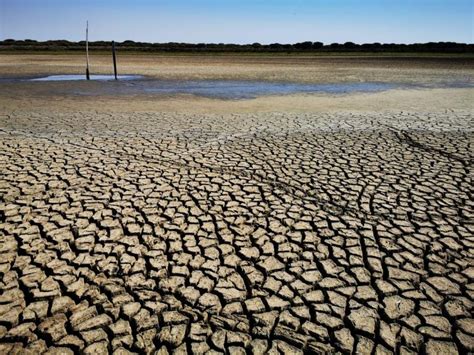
240,21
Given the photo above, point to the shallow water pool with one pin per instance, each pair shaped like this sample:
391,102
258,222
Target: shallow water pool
74,77
239,89
222,89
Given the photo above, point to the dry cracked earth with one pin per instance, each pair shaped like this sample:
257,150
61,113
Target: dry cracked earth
237,233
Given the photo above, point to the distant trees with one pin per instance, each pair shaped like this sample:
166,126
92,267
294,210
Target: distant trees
350,45
318,45
306,47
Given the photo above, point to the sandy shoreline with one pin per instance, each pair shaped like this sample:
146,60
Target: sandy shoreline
285,224
436,100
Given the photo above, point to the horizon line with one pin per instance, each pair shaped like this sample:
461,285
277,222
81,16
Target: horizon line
235,43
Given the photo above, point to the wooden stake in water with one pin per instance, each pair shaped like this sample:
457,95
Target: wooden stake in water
115,59
87,52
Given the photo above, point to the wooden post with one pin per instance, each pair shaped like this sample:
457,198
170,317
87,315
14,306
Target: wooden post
87,52
115,59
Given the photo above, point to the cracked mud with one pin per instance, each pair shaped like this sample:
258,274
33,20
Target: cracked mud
261,233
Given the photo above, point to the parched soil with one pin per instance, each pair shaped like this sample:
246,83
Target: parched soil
306,69
271,232
126,226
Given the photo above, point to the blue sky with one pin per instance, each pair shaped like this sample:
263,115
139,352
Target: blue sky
240,21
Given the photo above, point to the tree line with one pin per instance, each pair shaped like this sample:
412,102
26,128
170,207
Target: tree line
64,45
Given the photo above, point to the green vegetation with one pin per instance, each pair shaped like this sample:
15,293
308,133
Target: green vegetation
318,48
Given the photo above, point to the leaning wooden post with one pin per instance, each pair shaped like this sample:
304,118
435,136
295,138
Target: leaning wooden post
115,59
87,52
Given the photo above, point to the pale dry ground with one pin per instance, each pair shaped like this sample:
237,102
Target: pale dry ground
308,69
306,223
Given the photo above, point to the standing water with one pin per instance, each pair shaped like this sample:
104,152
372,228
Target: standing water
222,89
